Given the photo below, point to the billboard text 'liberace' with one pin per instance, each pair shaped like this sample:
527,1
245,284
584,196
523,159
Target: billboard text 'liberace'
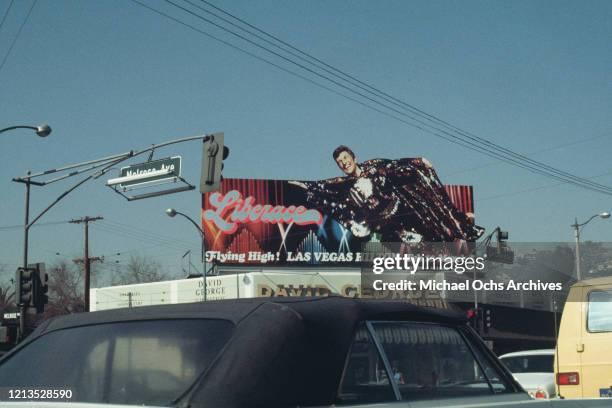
245,210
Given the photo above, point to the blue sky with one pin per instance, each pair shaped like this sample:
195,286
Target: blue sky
112,76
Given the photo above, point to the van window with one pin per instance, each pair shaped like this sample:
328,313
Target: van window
599,317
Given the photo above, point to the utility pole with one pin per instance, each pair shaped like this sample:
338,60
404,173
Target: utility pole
86,259
576,227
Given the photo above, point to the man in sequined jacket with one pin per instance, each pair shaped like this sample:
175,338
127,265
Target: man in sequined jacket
401,200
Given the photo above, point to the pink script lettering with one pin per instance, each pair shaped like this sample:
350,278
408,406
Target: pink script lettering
245,210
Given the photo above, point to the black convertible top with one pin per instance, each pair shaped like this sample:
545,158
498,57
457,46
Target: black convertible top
237,309
283,352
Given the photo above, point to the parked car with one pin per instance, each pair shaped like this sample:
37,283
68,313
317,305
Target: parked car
265,353
583,365
534,370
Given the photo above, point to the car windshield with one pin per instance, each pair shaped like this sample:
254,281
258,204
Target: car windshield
542,363
145,362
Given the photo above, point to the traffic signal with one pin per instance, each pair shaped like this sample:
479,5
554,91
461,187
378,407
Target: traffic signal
487,321
25,286
472,317
41,288
213,153
502,252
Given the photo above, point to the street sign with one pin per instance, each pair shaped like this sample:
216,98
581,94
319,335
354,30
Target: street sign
148,173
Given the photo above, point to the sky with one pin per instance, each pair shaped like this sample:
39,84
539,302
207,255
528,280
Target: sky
112,76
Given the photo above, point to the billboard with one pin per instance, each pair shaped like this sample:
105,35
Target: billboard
327,221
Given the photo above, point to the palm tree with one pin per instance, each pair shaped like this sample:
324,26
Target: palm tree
7,297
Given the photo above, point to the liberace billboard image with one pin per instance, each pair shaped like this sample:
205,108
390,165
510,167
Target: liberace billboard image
327,221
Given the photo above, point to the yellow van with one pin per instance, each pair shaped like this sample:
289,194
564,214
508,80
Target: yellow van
583,358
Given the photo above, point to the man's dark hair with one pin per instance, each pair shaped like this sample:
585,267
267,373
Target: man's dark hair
340,149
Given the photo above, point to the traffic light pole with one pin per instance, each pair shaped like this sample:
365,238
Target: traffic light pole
26,230
103,164
475,293
26,224
25,257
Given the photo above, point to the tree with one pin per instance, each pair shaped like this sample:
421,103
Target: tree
596,259
65,290
7,298
556,265
138,270
5,274
7,291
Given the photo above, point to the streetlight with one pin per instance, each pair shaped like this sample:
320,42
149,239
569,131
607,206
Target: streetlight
106,164
576,227
42,130
171,212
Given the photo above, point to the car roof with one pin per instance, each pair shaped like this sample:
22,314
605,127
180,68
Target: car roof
526,353
282,350
605,280
237,309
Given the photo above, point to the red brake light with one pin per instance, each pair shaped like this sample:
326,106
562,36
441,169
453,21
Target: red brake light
540,394
568,379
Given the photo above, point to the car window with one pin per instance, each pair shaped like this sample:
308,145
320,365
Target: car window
145,362
491,372
599,317
365,379
435,361
529,364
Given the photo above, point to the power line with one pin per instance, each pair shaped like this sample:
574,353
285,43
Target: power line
528,190
489,148
548,149
6,13
150,236
121,253
127,231
141,238
386,97
369,88
145,231
25,20
40,224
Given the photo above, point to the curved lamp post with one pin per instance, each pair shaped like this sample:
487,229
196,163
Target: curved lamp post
104,163
171,212
42,130
577,228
